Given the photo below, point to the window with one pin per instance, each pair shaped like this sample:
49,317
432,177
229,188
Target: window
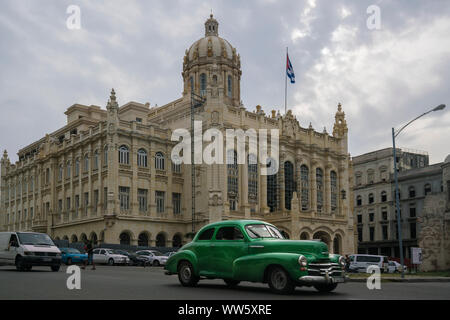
142,158
159,161
95,200
371,199
77,167
358,200
448,190
359,217
124,198
412,230
372,233
358,179
252,178
203,84
105,198
176,203
105,156
427,189
383,196
31,213
47,179
384,214
360,234
304,177
86,163
333,185
272,189
159,199
142,199
207,234
68,203
176,168
95,166
385,232
191,84
139,120
412,210
60,172
412,192
371,216
288,184
229,86
60,205
319,186
77,202
68,169
124,155
232,177
370,176
86,201
229,233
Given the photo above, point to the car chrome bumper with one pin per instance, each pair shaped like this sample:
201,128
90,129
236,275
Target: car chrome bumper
322,279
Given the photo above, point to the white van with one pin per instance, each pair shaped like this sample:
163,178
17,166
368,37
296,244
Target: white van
360,262
28,249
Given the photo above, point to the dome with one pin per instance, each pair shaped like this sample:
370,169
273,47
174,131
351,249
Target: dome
447,159
211,46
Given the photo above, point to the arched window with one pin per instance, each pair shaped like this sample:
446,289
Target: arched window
105,156
93,238
319,186
160,240
272,189
95,167
142,158
124,155
304,178
143,240
86,163
159,161
288,184
232,178
203,84
77,167
74,239
304,236
334,190
230,86
252,178
125,238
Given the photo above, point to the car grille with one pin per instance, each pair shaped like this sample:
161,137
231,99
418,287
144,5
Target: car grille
45,254
320,269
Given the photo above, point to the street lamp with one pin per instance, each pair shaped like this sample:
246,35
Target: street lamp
397,202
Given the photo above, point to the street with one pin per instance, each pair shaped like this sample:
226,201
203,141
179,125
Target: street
151,283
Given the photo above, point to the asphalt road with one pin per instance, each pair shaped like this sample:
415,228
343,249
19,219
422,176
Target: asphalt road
118,282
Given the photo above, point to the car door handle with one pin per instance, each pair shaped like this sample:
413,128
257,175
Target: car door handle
255,246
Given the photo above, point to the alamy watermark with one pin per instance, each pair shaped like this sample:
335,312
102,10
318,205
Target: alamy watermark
374,280
213,153
74,280
73,22
373,22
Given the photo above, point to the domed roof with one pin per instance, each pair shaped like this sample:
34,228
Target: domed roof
447,159
211,45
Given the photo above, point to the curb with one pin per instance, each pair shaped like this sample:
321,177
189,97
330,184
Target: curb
444,279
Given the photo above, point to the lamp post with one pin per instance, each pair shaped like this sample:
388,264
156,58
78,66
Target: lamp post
397,200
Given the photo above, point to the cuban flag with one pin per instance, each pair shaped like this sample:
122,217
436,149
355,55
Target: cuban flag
290,70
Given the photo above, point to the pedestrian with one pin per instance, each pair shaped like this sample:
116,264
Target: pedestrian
89,248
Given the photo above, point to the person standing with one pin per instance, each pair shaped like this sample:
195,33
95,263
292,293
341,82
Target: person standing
89,248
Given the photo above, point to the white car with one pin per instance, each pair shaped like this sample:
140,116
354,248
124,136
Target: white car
109,257
154,257
394,266
360,262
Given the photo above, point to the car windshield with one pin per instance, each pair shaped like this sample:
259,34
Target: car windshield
35,239
72,250
157,253
109,251
262,231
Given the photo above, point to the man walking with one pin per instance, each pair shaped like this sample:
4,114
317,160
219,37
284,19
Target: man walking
89,248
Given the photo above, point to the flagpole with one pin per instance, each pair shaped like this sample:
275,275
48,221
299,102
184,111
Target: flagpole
285,84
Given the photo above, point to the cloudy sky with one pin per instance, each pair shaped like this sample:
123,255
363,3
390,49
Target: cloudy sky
383,78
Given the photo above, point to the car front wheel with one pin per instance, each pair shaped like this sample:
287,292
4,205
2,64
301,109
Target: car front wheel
156,263
279,281
111,262
186,274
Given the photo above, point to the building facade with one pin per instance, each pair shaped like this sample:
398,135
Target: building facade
374,191
108,174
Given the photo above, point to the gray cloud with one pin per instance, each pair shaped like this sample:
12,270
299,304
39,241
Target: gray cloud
383,78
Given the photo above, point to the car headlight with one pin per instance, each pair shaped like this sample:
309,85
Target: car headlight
28,253
302,261
342,261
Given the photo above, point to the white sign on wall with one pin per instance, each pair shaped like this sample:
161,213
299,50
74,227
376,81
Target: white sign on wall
416,254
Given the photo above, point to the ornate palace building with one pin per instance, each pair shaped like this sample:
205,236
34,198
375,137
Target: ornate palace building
107,174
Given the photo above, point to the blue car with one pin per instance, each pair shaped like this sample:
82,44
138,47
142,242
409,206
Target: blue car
71,255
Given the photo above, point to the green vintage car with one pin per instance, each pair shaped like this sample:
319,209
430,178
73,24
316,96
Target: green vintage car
250,250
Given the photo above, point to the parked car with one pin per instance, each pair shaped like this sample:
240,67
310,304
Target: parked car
256,251
71,255
135,259
28,249
394,267
169,254
360,262
108,256
154,257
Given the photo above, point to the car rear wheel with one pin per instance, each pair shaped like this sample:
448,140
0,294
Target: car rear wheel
326,287
111,262
186,274
279,281
231,283
156,263
19,264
